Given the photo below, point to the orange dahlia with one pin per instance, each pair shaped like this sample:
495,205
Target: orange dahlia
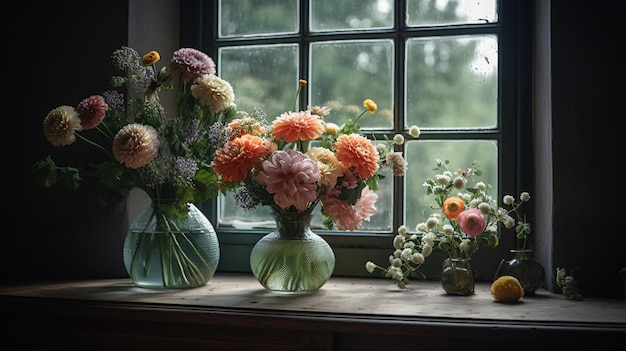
453,206
239,156
357,151
292,126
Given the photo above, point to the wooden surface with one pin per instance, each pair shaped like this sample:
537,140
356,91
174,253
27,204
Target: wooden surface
342,295
234,312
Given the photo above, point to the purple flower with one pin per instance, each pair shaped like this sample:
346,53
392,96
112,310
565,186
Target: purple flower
191,64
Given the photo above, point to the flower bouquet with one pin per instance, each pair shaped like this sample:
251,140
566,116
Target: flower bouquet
293,164
466,221
166,156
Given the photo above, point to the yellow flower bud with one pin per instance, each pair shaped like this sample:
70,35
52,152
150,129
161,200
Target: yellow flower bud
331,128
370,105
302,82
151,58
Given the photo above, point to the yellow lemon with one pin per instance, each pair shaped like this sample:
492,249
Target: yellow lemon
507,289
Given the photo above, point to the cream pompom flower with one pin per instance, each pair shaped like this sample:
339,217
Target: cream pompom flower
61,124
136,145
213,91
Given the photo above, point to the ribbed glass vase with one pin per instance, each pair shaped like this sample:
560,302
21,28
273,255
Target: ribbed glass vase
292,258
161,251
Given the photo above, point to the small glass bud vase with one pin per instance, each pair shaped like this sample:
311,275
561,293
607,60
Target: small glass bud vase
457,276
525,268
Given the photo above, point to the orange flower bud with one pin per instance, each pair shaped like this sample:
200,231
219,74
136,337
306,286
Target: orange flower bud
151,58
453,206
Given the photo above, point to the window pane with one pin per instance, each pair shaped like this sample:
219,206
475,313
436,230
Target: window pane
332,15
452,82
262,76
258,17
421,157
344,73
446,12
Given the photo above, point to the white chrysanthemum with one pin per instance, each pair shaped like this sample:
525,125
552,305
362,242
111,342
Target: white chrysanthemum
429,239
508,200
481,186
213,91
398,242
509,222
397,262
432,222
402,230
414,131
442,179
396,273
459,182
398,139
417,258
464,245
421,227
409,244
448,229
484,207
427,249
370,266
406,255
524,196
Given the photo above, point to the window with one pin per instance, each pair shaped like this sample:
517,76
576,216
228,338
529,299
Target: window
456,69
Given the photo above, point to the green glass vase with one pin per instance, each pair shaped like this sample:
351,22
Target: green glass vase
162,252
292,258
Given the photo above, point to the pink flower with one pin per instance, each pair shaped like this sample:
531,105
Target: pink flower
291,176
346,217
92,111
472,222
364,206
191,63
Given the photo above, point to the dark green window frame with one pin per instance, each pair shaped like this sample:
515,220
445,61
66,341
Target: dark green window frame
199,23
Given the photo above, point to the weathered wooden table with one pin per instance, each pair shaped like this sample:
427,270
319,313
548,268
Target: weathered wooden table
234,312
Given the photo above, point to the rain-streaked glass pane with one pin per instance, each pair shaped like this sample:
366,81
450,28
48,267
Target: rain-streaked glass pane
345,73
452,82
262,76
333,15
422,155
258,17
449,12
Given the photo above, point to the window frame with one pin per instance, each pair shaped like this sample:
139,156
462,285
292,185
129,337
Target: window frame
514,134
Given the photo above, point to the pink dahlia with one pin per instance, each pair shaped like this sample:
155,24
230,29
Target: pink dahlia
61,124
291,176
346,217
191,64
472,222
136,145
365,205
92,111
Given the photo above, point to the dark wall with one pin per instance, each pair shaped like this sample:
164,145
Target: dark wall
587,109
57,54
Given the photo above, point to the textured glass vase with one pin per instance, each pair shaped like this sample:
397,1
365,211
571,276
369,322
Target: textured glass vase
292,258
457,276
525,268
164,252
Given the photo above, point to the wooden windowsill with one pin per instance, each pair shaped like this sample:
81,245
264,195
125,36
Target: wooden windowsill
360,307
